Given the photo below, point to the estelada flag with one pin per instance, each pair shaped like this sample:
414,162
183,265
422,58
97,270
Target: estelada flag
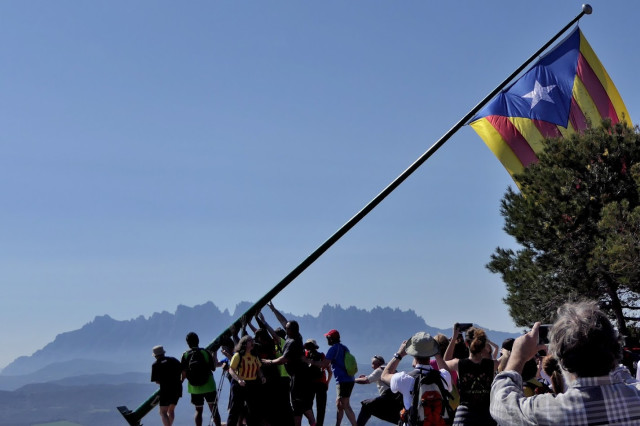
564,91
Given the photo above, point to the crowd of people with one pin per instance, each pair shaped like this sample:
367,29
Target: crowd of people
575,379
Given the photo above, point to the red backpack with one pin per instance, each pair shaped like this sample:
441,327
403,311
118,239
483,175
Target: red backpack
430,400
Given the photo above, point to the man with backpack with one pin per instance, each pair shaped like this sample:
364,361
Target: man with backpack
341,363
425,390
197,366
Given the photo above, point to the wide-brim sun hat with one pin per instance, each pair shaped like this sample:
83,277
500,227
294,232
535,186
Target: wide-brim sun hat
312,343
158,350
422,345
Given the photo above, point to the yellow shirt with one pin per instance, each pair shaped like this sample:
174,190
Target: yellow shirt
246,367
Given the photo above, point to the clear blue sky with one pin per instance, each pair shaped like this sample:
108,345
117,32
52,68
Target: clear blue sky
156,153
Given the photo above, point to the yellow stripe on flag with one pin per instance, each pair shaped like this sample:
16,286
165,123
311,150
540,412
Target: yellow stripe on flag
605,80
498,146
530,132
586,104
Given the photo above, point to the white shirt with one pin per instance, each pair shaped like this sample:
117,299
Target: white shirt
403,383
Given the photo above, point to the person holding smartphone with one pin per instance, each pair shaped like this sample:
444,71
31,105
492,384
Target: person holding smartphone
588,349
475,375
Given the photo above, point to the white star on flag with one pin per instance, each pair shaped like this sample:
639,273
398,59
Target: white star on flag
539,93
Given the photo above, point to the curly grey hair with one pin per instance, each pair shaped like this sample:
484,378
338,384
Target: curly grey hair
584,340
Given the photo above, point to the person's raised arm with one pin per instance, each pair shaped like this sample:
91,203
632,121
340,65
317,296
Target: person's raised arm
524,348
452,363
504,358
262,323
448,354
234,335
244,327
495,349
390,368
260,320
252,327
442,365
281,318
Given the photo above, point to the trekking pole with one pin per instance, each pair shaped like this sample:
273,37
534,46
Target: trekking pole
215,404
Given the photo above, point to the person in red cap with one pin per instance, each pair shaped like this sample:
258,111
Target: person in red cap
344,382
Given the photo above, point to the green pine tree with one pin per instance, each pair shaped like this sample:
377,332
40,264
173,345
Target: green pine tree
577,220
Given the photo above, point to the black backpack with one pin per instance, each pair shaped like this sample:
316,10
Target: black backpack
198,369
430,403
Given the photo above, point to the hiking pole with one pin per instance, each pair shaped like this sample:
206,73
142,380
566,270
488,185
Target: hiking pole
215,404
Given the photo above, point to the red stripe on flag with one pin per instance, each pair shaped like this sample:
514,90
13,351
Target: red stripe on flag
576,116
548,130
514,139
597,92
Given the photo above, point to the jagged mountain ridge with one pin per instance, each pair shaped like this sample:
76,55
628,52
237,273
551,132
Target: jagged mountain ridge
122,346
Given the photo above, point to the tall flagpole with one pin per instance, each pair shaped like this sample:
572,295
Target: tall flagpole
134,417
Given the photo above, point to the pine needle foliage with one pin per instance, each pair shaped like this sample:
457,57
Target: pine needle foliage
577,220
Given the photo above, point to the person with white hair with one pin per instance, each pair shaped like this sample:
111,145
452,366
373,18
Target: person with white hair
588,349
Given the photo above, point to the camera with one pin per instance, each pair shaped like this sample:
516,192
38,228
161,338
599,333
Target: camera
464,326
543,334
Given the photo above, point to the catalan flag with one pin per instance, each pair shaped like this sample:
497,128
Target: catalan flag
564,91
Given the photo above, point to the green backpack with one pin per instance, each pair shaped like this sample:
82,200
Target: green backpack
350,363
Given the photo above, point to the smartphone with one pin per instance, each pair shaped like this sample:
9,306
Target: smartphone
543,334
464,326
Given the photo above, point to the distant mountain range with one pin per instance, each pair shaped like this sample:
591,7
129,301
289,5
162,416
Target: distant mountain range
107,362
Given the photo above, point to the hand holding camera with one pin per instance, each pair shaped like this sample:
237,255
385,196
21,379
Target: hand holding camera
464,326
543,334
525,347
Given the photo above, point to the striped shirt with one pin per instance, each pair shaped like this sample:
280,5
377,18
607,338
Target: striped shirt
246,367
605,400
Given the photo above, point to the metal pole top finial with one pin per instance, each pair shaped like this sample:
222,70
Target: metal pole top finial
587,9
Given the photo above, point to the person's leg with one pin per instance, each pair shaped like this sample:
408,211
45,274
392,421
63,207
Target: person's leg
164,416
307,401
340,412
311,394
214,412
387,407
171,413
348,411
236,406
212,401
365,412
285,412
321,403
310,418
255,412
198,401
299,399
198,416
